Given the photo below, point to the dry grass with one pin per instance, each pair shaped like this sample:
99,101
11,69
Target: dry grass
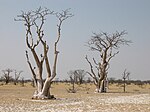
18,99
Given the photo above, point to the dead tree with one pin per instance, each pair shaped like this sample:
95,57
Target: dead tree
17,76
22,81
107,46
6,75
125,76
34,22
80,74
73,79
76,77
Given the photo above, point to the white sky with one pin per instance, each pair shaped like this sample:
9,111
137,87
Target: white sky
90,16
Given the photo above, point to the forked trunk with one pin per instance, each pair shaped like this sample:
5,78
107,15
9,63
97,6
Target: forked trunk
46,88
36,19
39,85
101,86
97,90
45,91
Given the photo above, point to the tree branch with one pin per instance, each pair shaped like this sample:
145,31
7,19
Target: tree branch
109,58
91,67
61,17
31,68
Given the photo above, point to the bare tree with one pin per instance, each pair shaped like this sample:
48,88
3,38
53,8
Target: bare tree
107,46
22,81
6,75
34,21
17,76
125,76
73,79
76,77
80,74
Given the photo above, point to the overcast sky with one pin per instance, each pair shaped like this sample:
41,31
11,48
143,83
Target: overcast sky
89,16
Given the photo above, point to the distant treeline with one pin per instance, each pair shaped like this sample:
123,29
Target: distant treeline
110,81
136,82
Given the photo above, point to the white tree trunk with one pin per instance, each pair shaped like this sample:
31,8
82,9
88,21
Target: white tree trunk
44,93
101,86
39,85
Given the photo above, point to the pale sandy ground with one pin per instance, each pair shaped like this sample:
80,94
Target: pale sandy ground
18,99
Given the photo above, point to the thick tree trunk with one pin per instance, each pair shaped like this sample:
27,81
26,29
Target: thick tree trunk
6,82
101,86
98,87
39,85
104,86
44,92
38,90
46,87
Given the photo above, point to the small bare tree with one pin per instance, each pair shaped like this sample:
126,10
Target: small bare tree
17,76
125,76
80,75
34,22
73,80
76,77
6,75
107,46
22,81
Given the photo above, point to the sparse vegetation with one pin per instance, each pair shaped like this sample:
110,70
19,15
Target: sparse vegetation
41,54
9,75
136,99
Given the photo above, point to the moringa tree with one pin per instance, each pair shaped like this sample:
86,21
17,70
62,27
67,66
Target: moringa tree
34,22
107,46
